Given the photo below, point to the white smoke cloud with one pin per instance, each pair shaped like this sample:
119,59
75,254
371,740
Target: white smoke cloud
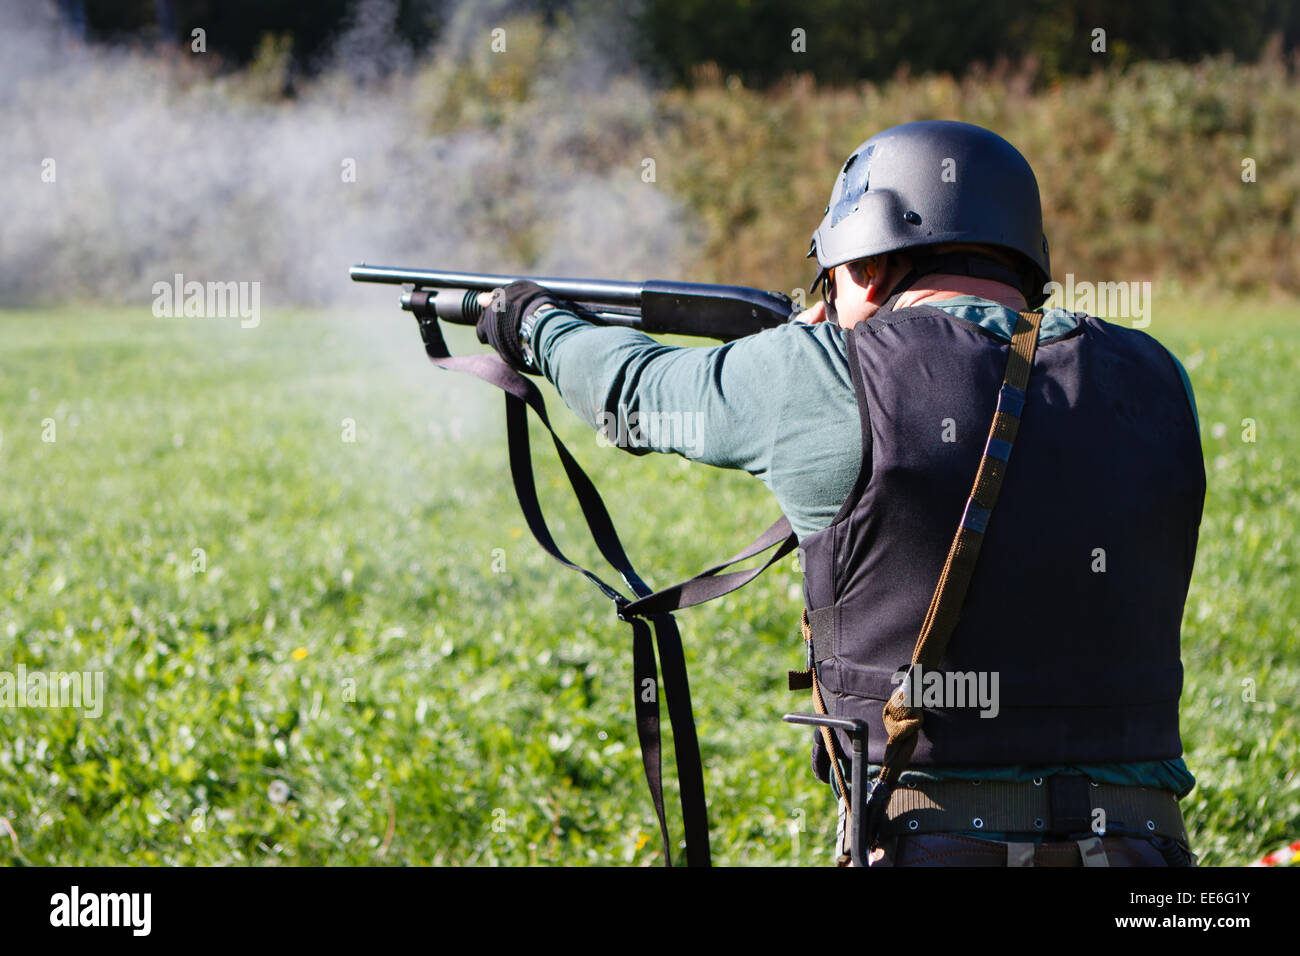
159,169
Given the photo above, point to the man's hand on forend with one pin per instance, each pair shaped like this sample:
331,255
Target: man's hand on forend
502,316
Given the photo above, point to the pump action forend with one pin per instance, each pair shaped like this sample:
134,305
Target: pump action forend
723,312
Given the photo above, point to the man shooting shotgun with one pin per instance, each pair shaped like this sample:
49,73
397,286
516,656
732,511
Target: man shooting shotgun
1012,678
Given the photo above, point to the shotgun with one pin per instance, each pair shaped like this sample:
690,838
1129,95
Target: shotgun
723,312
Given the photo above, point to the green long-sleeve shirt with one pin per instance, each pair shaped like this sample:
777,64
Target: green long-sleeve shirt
780,405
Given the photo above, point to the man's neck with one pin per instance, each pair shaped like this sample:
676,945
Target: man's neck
937,287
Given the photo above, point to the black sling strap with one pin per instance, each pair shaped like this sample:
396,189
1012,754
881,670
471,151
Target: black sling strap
644,609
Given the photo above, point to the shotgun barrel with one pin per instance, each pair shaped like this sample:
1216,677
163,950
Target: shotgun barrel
723,312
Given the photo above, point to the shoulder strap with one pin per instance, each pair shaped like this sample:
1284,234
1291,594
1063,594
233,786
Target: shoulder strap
902,721
646,609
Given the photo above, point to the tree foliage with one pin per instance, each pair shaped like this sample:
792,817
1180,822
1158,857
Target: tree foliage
841,41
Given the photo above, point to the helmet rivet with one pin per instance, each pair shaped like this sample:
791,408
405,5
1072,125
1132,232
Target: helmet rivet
912,217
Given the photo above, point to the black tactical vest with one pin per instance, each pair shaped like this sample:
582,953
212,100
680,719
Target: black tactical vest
1074,610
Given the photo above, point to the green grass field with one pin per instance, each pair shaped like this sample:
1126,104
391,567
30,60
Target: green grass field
323,651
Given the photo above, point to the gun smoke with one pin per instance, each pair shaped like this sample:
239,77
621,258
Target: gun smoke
124,167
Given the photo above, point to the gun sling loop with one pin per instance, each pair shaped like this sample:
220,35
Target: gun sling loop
644,609
903,722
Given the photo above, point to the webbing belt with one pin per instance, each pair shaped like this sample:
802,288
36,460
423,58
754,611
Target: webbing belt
644,609
999,806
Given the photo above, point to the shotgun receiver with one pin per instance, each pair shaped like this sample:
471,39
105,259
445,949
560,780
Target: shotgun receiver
722,312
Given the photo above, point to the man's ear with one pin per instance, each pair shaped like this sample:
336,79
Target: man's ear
877,275
890,270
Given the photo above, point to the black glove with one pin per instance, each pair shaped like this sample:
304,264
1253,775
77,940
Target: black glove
498,326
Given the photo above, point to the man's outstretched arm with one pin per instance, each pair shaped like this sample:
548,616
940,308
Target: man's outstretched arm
773,404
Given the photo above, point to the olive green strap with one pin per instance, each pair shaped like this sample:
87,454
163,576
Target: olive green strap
902,721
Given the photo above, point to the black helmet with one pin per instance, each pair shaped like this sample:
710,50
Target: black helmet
932,183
